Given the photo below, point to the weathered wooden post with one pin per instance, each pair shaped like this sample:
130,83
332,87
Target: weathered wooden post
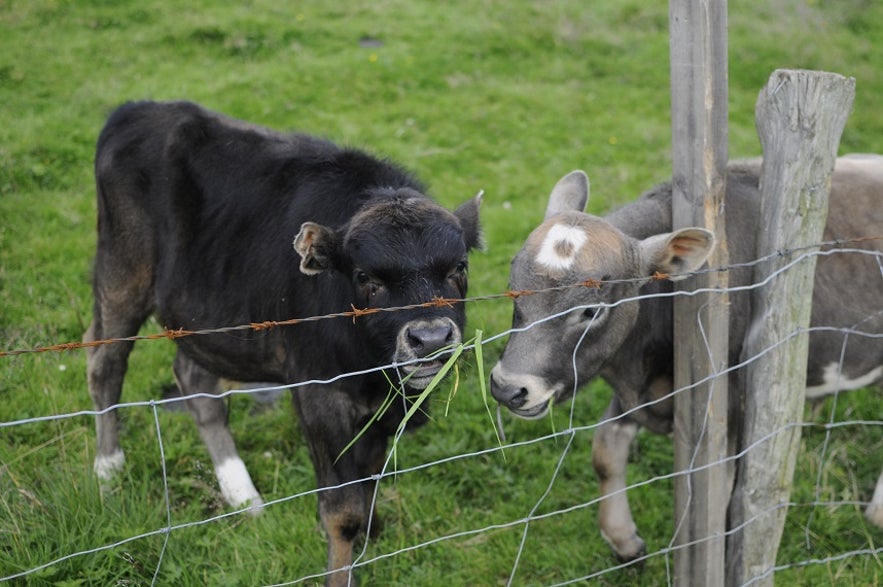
800,117
699,156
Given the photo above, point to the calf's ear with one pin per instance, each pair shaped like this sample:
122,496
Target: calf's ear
676,253
467,214
316,246
569,194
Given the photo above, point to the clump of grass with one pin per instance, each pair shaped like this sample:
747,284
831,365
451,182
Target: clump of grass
415,402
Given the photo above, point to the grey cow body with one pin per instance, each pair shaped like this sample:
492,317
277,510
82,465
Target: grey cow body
629,342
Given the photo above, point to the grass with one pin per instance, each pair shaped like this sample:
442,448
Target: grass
501,96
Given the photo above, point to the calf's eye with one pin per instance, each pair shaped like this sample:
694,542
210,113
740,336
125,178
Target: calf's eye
367,283
459,271
592,313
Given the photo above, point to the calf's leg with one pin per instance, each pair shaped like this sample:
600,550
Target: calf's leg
610,451
210,415
122,289
105,369
331,420
874,512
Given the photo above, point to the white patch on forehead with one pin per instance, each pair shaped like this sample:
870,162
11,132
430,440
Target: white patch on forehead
560,246
834,381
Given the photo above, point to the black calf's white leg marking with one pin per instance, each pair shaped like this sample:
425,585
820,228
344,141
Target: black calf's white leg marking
210,415
105,369
108,466
236,484
874,512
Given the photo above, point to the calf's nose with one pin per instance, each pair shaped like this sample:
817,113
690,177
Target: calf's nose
512,396
427,339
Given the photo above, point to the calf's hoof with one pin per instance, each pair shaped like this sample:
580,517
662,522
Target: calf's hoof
874,514
108,468
237,487
628,549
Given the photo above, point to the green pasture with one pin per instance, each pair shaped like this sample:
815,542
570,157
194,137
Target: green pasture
494,95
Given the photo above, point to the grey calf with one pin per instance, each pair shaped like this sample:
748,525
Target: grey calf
630,344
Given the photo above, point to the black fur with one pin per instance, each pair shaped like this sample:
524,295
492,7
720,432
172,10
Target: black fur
196,217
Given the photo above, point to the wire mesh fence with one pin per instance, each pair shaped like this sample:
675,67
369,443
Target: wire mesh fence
828,432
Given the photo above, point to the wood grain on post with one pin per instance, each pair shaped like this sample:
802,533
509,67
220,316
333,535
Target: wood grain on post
701,325
800,118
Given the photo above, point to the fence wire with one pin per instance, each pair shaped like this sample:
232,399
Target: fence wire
565,437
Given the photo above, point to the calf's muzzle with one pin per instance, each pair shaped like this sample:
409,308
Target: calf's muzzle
527,396
420,339
511,395
426,338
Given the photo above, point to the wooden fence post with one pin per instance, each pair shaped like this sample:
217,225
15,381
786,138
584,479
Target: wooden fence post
698,30
800,117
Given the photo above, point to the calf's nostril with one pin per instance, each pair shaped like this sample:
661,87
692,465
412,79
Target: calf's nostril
519,399
509,395
415,341
426,340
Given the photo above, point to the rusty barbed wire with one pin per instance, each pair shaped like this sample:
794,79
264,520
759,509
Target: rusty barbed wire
355,313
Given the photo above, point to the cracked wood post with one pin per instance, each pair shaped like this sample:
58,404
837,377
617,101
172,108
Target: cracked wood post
800,117
698,30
